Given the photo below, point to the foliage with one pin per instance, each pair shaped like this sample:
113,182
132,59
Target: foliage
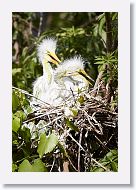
110,161
77,33
37,166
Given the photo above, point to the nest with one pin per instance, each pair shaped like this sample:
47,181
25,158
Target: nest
84,137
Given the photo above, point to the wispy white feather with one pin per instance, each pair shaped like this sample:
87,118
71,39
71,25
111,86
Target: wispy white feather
48,44
71,65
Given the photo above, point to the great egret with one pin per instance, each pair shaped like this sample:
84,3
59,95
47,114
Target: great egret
70,81
71,76
47,56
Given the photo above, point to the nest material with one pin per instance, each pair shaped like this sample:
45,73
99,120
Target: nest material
86,137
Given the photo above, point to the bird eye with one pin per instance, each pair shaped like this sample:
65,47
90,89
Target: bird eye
69,73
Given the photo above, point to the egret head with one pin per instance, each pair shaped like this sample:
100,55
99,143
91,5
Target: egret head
73,67
46,51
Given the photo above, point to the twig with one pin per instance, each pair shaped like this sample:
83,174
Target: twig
52,165
100,164
50,122
85,151
101,143
72,164
39,116
25,92
92,118
34,156
40,24
80,139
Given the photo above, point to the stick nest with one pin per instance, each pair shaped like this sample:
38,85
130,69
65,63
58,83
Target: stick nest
85,137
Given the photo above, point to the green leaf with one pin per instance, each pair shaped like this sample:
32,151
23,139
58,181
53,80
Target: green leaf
114,152
51,142
74,111
115,15
29,110
62,149
15,101
38,166
15,71
21,115
25,134
46,145
114,166
15,142
71,125
24,52
42,145
81,100
14,167
98,170
15,123
101,25
110,161
25,166
111,155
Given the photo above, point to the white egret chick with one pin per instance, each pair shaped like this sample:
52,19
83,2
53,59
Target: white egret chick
71,76
47,56
70,81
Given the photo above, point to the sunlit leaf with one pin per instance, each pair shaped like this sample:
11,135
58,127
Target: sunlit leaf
51,143
38,166
98,169
15,123
74,111
15,71
15,101
25,166
114,166
71,125
47,144
21,115
14,167
81,100
42,145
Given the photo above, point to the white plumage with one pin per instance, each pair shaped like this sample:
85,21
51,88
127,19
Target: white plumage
68,83
68,75
46,55
48,44
63,85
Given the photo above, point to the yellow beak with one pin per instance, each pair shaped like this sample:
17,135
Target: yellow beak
82,73
53,58
86,76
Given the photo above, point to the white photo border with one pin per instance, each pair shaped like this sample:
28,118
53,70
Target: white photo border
123,174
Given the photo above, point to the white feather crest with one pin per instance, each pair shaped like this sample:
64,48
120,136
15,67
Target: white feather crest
48,44
71,65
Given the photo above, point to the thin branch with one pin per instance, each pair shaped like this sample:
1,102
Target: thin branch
85,151
99,164
80,139
52,165
25,92
72,164
108,32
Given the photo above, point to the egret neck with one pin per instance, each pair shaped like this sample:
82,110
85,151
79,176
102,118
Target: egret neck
47,71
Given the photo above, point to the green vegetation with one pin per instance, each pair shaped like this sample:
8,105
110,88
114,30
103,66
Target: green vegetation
95,37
